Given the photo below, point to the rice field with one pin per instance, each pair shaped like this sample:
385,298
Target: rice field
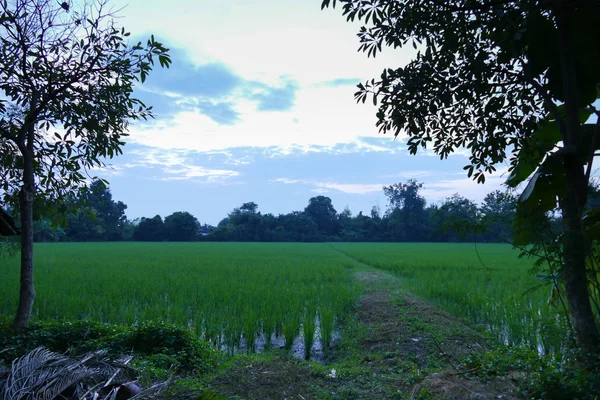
244,296
494,289
233,294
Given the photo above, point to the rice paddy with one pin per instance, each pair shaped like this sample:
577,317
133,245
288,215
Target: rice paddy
486,284
245,296
233,295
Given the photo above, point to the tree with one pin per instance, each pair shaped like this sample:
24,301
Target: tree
457,218
407,209
498,212
67,77
98,217
181,227
150,230
45,231
322,212
498,76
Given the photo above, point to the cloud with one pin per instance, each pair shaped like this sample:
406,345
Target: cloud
198,174
340,82
276,98
222,113
210,89
351,188
322,187
178,165
439,190
212,80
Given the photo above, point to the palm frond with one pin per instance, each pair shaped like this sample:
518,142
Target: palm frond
44,375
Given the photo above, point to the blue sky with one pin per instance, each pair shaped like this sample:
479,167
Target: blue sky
258,106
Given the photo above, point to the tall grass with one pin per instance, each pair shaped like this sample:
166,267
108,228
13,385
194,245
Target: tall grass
229,293
495,288
236,295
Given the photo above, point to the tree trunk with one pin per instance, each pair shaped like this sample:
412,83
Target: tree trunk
26,290
575,254
25,143
574,199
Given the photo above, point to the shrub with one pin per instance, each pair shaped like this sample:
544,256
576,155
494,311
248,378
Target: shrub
182,349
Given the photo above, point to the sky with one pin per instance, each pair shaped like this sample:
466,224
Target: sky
258,106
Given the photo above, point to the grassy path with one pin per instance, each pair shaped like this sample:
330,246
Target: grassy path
393,346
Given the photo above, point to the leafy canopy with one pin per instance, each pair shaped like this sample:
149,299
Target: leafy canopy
66,90
486,76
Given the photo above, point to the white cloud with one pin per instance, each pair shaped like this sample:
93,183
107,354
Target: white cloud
178,165
194,172
108,170
352,188
321,117
322,187
263,39
435,191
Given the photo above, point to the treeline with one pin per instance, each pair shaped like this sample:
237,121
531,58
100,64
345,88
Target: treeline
99,219
407,218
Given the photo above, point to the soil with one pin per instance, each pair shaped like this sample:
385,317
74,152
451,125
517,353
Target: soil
393,347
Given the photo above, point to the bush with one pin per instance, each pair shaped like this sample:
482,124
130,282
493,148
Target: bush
181,348
572,376
152,338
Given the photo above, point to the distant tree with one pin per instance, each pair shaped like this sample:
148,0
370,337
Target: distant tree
498,213
181,227
67,78
45,231
223,223
98,216
322,212
150,230
250,207
375,213
298,227
458,219
129,228
406,211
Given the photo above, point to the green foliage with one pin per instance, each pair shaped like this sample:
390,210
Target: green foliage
9,247
322,212
159,338
181,227
97,218
407,219
539,377
159,345
47,53
150,230
498,77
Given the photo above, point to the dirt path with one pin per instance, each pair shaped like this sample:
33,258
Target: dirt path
393,346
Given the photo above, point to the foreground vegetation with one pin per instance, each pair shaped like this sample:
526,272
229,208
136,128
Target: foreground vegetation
390,344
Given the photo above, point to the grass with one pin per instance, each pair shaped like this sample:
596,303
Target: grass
241,295
379,339
229,293
492,289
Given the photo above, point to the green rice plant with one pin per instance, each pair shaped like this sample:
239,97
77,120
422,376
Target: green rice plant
290,327
326,322
268,326
308,328
217,289
250,330
487,284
